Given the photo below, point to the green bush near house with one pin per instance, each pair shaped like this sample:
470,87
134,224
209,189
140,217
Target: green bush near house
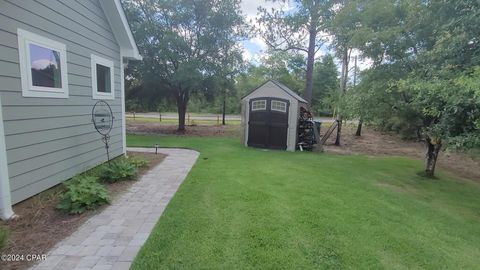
83,193
3,237
118,170
139,162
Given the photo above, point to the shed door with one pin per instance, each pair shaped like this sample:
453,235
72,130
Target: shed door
268,123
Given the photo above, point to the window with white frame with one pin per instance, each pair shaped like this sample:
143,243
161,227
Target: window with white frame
258,105
43,66
279,106
102,78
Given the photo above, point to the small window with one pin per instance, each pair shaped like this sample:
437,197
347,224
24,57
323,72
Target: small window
259,105
43,66
102,78
279,106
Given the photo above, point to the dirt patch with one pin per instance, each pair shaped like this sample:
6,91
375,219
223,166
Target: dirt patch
376,143
231,131
371,142
40,226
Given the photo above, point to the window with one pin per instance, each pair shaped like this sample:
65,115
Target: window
259,105
102,78
279,106
43,66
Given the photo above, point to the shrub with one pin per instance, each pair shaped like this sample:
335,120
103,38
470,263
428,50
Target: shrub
83,193
139,162
3,237
119,169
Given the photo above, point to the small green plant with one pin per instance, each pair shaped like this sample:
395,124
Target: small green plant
3,237
119,169
139,162
83,193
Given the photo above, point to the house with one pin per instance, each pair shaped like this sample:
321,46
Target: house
57,59
270,116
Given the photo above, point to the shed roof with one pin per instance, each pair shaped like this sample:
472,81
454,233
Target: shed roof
281,86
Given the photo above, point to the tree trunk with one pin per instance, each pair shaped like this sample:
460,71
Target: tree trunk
224,107
433,148
310,64
182,100
343,87
339,131
359,128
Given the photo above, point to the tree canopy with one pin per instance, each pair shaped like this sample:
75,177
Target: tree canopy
426,63
187,46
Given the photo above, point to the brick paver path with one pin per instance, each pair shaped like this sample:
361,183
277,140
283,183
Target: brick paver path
111,239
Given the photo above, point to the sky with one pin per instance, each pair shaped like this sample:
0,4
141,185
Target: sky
255,48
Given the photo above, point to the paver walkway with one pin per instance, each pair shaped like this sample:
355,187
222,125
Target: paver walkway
112,239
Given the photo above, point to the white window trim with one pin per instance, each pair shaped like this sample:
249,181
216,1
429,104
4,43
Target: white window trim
275,109
262,108
95,59
28,89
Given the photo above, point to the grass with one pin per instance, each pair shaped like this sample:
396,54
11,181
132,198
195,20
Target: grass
3,237
244,208
175,121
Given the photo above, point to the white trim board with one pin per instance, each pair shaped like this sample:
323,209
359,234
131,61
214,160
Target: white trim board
6,211
123,65
118,22
95,59
26,38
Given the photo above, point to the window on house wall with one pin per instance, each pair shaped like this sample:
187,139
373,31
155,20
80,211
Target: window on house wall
279,106
102,78
258,105
43,66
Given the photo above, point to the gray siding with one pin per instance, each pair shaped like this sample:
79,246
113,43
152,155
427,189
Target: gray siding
50,140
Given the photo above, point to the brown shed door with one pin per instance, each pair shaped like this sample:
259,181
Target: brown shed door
268,123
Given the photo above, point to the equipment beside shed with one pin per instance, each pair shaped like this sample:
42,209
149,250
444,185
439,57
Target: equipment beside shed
270,115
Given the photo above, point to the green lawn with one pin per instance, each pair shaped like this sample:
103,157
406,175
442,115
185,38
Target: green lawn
243,208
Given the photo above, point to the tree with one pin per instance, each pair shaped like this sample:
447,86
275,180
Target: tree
299,30
325,84
426,72
343,27
184,43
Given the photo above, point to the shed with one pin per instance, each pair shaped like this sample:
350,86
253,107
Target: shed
57,59
270,116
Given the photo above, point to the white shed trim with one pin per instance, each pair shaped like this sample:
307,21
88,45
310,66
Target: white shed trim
6,211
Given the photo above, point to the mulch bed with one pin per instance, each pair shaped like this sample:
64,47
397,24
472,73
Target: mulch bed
193,130
376,143
40,226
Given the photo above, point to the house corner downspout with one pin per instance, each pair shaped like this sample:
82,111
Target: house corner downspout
123,65
6,211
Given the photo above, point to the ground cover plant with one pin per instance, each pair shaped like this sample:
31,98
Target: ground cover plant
245,208
83,193
118,170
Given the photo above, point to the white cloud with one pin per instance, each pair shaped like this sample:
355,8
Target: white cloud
259,42
247,55
42,63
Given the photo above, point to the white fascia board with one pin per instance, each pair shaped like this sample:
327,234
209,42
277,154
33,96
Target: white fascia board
121,30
